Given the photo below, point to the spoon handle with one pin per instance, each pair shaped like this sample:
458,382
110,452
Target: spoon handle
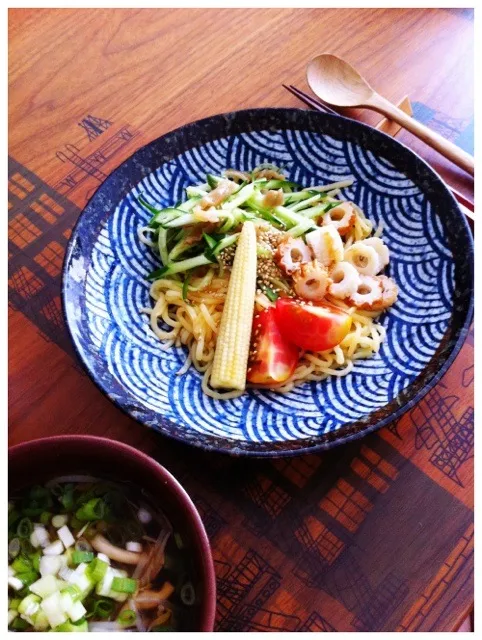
433,139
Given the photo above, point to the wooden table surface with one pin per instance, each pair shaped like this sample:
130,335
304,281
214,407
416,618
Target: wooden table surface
376,535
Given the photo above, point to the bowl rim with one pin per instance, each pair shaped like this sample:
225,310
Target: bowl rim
312,444
166,479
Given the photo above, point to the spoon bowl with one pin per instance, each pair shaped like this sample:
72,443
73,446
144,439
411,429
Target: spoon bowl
335,81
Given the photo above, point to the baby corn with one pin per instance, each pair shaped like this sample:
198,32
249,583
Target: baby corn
232,347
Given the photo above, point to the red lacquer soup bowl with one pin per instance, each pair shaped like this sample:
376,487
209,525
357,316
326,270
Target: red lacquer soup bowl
39,461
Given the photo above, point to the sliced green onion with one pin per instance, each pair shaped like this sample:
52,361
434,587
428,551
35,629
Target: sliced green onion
178,541
24,528
59,520
13,515
35,559
187,594
103,608
21,564
83,545
19,624
40,499
73,591
92,510
56,489
26,546
73,627
14,548
97,570
27,577
45,517
82,556
67,497
124,585
127,617
14,602
75,523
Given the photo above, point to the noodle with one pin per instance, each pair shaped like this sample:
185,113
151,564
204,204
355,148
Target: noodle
190,316
195,322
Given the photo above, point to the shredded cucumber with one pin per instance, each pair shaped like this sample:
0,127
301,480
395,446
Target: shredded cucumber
176,243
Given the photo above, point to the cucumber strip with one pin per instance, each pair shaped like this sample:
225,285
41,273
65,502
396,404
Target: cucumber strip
211,242
204,281
213,181
179,235
214,252
179,248
302,204
147,206
332,205
239,198
181,221
255,202
228,224
281,184
199,190
249,215
164,216
162,244
266,214
341,184
319,209
179,267
190,219
189,204
225,243
301,228
287,216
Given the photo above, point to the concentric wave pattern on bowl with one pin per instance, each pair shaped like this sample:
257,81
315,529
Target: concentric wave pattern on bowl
421,262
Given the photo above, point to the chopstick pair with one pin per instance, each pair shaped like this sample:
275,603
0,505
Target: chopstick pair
466,205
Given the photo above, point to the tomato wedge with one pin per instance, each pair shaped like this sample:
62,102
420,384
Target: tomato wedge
272,359
311,327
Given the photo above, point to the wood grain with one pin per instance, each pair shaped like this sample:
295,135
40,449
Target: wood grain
157,69
148,72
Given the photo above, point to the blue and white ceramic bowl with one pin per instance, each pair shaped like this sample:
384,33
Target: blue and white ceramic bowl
431,248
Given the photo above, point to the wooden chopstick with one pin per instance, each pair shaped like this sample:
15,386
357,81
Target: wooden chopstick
316,104
466,205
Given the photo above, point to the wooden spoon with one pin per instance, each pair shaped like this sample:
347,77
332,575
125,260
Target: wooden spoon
338,83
